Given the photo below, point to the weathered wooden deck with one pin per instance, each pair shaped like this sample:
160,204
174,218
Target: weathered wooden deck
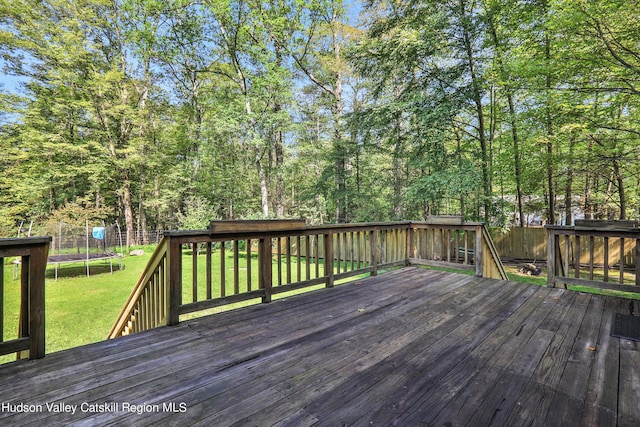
410,347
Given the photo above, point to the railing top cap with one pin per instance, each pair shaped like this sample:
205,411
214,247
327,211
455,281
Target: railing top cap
25,241
600,226
265,227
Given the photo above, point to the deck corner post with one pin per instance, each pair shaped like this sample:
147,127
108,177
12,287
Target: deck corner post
328,259
477,251
174,290
265,268
37,267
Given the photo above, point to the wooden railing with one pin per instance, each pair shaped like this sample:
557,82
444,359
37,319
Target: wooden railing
238,261
571,255
30,255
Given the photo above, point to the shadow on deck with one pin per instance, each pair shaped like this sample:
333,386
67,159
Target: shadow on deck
410,347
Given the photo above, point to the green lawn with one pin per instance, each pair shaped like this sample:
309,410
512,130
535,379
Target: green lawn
81,310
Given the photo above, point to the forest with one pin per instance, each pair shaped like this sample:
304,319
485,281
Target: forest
168,114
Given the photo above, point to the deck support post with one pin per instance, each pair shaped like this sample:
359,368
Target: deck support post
174,288
328,259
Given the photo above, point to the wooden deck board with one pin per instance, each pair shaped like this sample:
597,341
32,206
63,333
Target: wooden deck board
409,347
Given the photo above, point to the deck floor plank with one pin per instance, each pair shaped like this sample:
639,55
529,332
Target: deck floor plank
408,347
358,395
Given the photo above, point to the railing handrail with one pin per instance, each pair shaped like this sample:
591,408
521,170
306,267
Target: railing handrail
383,245
154,262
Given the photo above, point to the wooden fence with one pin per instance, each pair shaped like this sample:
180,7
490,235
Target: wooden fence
530,243
237,261
30,255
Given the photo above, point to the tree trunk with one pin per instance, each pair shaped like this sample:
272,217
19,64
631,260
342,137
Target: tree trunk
551,215
477,96
568,194
128,212
517,161
621,193
264,193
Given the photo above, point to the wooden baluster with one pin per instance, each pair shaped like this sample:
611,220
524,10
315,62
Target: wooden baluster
307,249
194,272
466,248
328,258
478,253
606,259
345,251
288,258
456,254
591,245
317,242
298,259
621,261
353,253
279,259
551,258
23,326
566,254
374,251
248,243
223,269
236,267
409,245
577,256
208,272
337,250
265,261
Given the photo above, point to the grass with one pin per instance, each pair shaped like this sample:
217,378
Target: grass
81,310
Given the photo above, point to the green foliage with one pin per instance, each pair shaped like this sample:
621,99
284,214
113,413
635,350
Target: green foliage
154,112
197,215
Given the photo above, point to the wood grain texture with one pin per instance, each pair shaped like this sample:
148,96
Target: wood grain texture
409,347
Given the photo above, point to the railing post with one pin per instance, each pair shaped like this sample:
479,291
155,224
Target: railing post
477,251
37,267
373,239
174,288
265,267
328,258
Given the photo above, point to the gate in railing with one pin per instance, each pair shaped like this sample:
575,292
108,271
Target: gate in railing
238,261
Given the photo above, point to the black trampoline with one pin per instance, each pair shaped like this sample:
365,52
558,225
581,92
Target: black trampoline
76,244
